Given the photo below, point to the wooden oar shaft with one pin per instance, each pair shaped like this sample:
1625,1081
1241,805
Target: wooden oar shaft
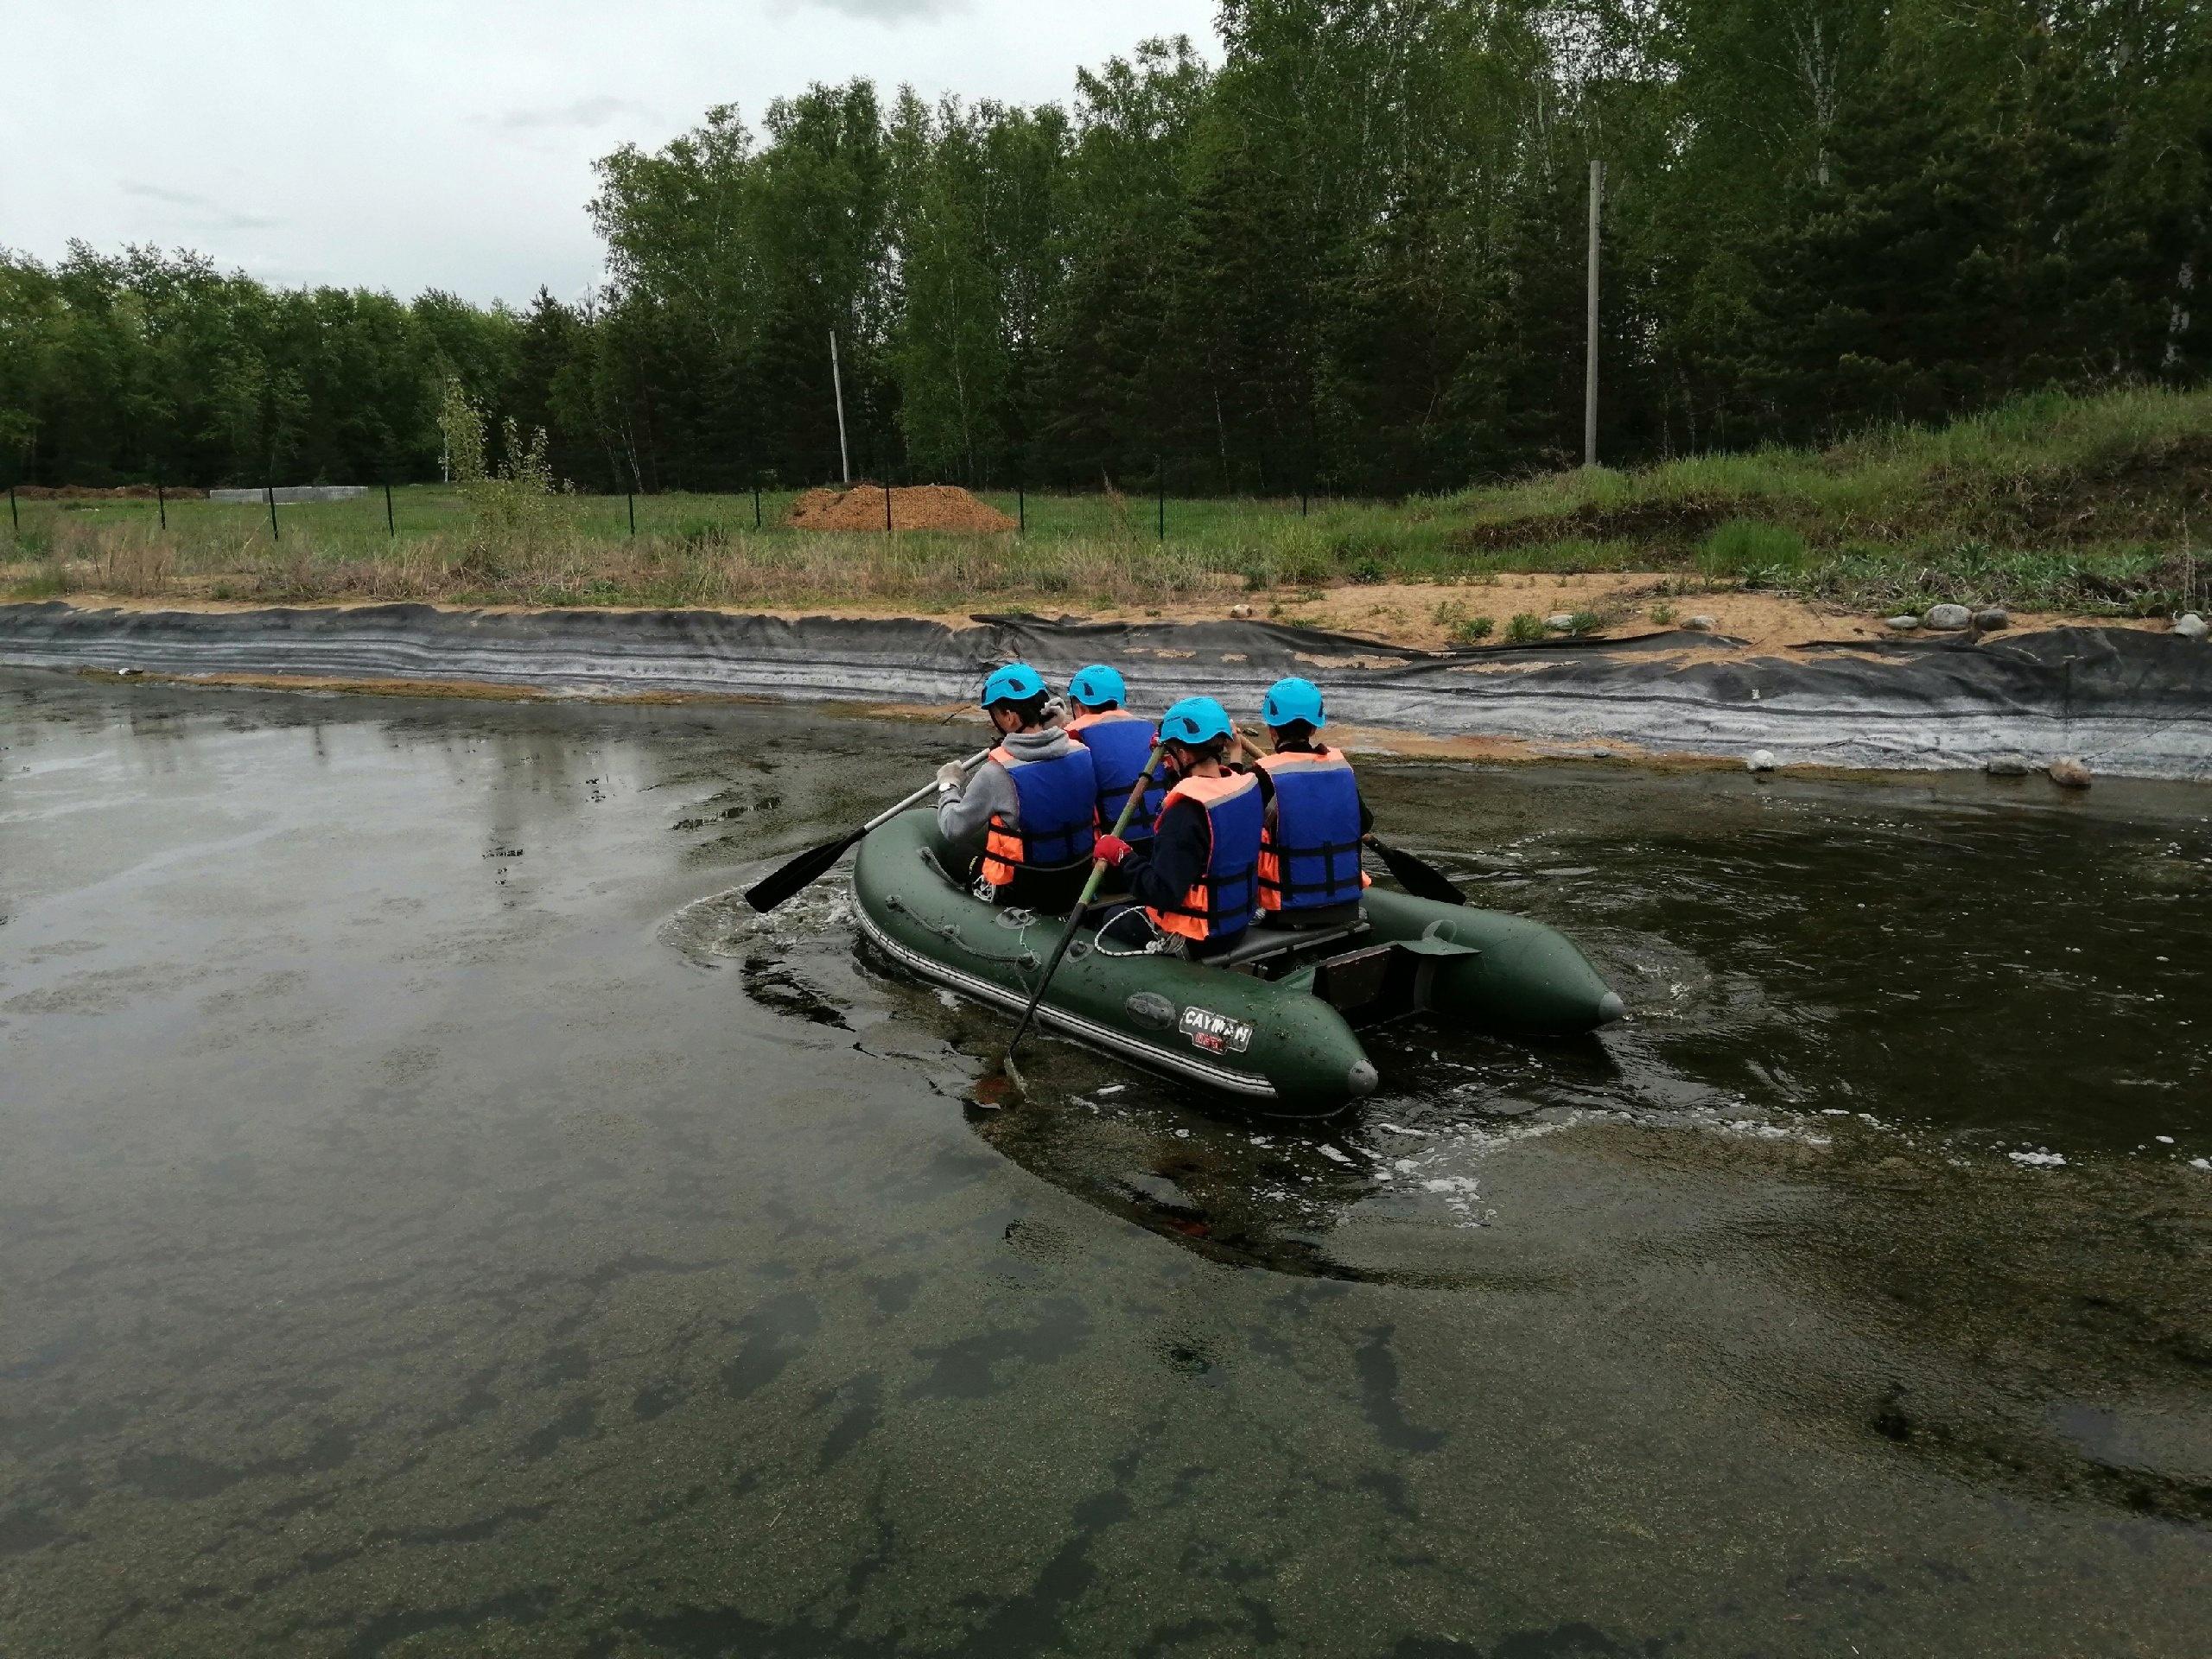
914,800
795,874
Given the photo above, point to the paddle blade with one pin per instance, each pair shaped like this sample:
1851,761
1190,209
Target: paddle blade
803,871
1417,875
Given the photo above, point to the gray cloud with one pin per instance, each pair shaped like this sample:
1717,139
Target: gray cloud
203,210
878,11
584,112
322,152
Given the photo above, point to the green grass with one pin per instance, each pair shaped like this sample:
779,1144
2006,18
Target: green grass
2052,501
1747,547
1898,477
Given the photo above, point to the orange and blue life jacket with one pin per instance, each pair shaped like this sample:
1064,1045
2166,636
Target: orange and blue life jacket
1059,800
1309,855
1120,742
1224,899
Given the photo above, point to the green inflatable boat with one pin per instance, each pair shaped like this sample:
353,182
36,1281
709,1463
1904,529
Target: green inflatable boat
1275,1023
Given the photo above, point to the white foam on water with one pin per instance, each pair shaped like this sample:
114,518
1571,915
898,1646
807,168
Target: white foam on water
1763,1129
1439,1169
1462,1196
721,925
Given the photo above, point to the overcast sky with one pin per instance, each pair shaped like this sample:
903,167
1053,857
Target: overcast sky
405,144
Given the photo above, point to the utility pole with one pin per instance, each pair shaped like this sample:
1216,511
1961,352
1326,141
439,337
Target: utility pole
1590,367
837,380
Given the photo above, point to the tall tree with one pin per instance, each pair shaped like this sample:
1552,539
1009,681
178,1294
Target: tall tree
1351,252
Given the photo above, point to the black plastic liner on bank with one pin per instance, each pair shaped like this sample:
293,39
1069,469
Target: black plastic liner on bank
2127,701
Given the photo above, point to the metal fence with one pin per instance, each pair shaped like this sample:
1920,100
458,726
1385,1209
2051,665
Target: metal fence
1156,512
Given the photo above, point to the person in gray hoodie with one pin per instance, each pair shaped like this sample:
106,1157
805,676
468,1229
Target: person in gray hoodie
1024,823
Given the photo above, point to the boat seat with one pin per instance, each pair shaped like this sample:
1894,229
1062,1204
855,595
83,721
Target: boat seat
1313,919
1262,944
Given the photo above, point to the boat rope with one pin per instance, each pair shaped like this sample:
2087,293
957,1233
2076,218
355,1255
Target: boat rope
1154,946
950,933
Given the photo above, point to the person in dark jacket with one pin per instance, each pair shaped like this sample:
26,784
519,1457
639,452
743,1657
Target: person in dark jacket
1032,805
1198,882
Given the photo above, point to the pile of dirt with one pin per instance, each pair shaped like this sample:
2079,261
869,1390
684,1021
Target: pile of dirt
920,506
87,492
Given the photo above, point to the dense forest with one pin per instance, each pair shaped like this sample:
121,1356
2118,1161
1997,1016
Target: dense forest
1350,256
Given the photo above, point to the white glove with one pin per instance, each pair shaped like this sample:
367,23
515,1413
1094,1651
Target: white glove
950,776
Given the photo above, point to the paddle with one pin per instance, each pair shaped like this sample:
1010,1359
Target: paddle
1416,875
1075,916
816,862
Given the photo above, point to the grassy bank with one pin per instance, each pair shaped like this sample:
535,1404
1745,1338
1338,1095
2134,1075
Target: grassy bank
2090,504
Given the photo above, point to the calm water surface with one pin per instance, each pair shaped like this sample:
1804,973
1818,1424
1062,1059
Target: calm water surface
436,1219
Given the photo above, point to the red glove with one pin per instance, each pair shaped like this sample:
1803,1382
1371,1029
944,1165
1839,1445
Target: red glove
1111,850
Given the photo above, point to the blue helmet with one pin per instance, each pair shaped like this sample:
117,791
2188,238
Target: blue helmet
1097,686
1289,700
1015,683
1195,720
